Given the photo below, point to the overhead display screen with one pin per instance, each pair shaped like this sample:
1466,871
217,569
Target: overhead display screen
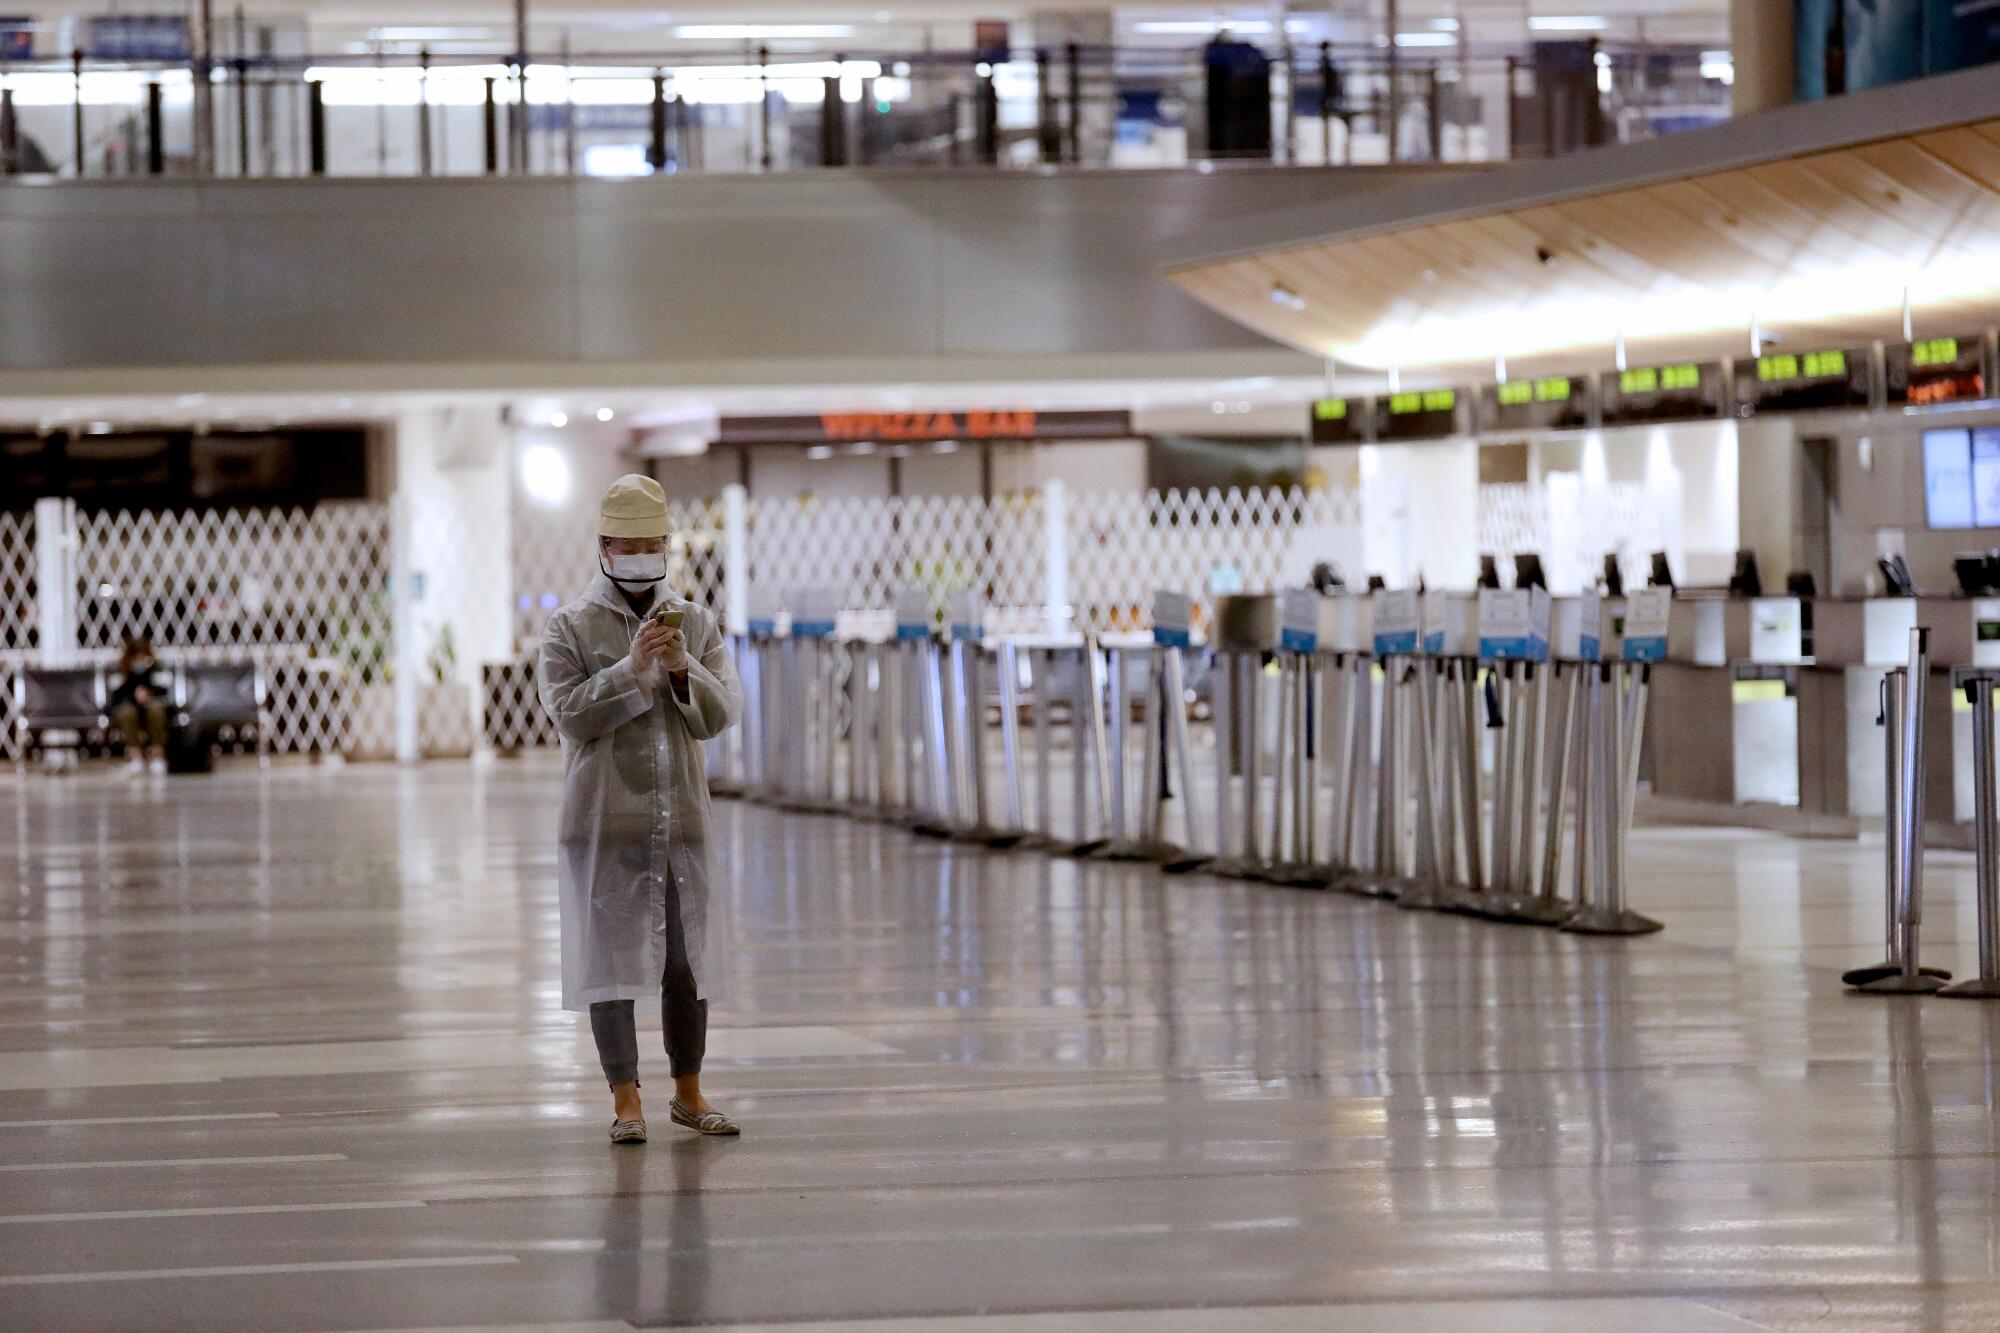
1933,371
1340,421
1684,391
1831,379
1554,402
1962,478
1419,414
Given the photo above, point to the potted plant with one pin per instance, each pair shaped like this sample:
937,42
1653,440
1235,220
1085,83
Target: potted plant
362,645
444,711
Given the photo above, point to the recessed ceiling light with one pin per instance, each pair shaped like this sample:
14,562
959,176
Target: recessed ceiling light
605,414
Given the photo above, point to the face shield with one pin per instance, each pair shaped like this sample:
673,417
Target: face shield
633,569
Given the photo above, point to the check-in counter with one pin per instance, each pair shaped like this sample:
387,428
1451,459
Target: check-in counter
1965,632
1727,725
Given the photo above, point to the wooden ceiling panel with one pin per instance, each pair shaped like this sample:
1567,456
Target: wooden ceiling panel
1687,258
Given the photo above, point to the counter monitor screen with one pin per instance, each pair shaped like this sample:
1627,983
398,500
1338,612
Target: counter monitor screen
1418,414
1556,402
1962,478
1340,421
1684,391
1831,379
1934,371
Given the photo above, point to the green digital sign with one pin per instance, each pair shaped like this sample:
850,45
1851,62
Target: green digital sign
1829,379
1417,414
1548,402
1680,391
1935,372
1339,421
1427,400
1784,366
1933,352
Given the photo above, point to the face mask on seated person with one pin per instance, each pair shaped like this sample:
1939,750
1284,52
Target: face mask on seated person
638,570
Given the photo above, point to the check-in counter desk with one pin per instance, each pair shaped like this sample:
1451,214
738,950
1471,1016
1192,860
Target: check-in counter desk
1737,719
1754,710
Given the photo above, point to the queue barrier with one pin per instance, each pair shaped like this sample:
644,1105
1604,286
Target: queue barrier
1901,972
1978,683
1500,786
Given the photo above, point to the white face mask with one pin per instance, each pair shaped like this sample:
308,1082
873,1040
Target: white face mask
644,568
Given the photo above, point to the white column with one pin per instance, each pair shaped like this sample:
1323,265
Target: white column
408,651
736,557
1056,610
55,580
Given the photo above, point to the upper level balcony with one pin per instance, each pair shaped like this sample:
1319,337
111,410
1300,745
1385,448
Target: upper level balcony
269,103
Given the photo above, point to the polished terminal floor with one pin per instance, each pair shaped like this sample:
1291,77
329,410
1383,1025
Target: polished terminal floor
283,1052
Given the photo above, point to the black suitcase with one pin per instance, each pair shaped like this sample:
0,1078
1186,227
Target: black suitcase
190,750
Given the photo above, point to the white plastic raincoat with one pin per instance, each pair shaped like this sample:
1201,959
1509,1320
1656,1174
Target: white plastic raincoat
635,799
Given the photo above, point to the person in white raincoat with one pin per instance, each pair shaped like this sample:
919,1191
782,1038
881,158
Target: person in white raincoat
633,698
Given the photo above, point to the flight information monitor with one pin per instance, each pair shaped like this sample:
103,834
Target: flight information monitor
1831,379
1553,402
1962,477
1932,371
1340,421
1684,391
1419,414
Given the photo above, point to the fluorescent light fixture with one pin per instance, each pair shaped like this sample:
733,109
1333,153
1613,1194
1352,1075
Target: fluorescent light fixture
1821,293
402,34
1201,27
747,32
1444,25
1282,295
1568,23
1425,39
819,452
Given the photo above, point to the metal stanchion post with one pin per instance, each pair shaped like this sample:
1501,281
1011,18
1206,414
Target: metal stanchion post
1386,877
1903,973
1985,845
1086,732
1617,770
1431,888
1910,977
1007,662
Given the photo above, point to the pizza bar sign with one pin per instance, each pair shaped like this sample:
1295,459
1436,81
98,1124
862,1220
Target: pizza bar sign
929,425
920,427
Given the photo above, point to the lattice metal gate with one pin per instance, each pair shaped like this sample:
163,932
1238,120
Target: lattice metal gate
18,615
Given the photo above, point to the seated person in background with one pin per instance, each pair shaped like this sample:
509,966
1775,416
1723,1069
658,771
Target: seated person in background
139,706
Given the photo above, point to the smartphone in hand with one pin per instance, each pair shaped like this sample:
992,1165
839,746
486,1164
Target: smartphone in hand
670,618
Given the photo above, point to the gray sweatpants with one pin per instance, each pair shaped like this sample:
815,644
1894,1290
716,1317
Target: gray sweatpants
683,1016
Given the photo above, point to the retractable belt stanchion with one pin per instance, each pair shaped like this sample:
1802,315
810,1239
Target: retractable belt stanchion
1436,764
727,767
1513,642
808,674
1245,633
1903,972
1166,766
763,710
966,734
1039,653
1293,857
864,693
1614,730
1397,639
1978,687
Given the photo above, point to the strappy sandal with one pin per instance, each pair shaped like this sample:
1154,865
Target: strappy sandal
709,1122
628,1131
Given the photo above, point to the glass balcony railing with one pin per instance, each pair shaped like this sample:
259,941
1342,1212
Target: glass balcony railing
631,115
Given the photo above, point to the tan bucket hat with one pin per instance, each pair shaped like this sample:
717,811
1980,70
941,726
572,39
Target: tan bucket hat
635,506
